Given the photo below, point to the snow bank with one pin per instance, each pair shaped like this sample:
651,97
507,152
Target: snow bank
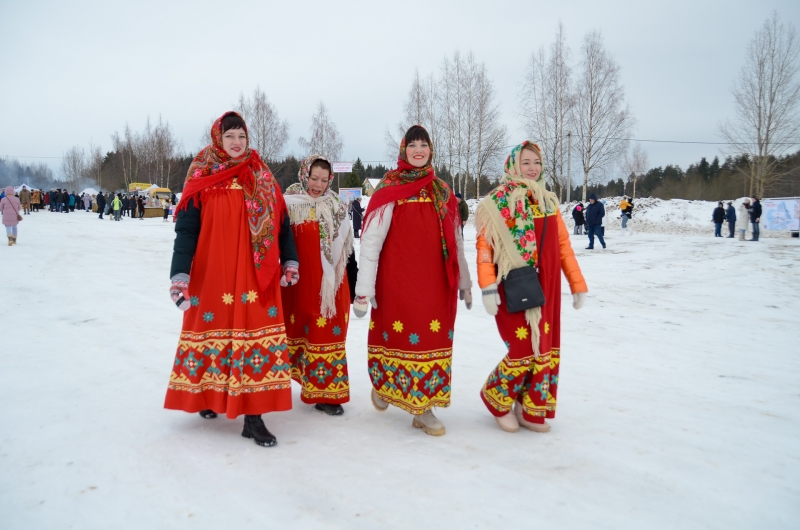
675,216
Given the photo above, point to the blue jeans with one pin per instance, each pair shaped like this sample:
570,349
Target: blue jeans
717,229
755,230
595,230
624,221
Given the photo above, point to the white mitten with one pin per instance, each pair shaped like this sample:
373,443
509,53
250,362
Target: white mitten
578,299
491,298
466,295
361,304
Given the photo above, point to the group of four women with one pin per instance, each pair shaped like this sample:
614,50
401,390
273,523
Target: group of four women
251,324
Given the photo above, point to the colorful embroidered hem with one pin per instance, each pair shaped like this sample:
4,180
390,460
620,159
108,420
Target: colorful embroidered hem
413,381
531,381
321,370
233,371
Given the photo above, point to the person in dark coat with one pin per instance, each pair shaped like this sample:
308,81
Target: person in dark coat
126,205
730,215
463,211
755,217
718,217
577,216
356,214
140,207
101,204
594,221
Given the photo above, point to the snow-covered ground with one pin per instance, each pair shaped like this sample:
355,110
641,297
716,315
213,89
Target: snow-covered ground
679,402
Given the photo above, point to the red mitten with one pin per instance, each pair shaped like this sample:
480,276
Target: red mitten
179,291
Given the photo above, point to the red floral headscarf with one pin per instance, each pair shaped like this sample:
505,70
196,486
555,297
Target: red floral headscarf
213,170
406,181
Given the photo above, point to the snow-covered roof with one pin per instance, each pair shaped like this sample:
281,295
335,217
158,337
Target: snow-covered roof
374,182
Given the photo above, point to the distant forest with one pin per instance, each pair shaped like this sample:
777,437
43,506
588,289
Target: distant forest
709,181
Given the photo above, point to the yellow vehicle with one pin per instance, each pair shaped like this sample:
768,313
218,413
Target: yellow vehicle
138,186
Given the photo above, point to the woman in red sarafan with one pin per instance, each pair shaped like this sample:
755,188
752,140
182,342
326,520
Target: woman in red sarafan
232,234
317,310
519,225
411,269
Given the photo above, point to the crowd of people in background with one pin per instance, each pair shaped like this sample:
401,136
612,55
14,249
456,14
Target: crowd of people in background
748,213
115,206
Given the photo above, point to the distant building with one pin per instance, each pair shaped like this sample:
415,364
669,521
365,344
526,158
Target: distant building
370,185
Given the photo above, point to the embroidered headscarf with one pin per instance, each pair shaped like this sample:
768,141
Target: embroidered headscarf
505,217
213,170
407,181
335,234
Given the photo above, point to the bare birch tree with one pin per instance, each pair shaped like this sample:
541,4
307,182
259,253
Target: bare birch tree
547,100
95,164
635,164
602,120
325,138
766,100
267,133
420,109
125,146
73,166
490,135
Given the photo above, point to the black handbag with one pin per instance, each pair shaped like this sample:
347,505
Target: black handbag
521,286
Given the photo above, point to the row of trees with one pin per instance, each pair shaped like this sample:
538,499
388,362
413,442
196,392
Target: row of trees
460,111
708,181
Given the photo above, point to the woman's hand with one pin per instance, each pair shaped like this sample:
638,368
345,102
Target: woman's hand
179,291
466,295
361,304
491,298
291,274
578,300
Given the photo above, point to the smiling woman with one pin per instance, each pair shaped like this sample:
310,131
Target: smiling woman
232,234
411,228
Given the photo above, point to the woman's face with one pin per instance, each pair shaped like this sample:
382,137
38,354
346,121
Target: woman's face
530,164
234,142
318,180
418,153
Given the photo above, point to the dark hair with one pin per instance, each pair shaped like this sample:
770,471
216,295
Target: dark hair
233,121
417,132
324,164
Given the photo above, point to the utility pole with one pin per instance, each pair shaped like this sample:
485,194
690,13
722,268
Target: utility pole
569,166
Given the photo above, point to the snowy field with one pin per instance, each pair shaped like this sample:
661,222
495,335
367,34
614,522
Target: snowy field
679,402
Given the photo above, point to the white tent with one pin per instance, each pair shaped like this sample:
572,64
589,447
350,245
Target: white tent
17,190
89,192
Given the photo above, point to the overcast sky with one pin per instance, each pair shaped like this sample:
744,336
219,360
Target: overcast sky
72,73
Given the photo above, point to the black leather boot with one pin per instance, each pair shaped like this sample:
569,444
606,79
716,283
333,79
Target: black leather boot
208,414
329,409
254,428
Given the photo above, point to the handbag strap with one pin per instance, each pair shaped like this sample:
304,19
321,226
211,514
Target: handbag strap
11,203
544,233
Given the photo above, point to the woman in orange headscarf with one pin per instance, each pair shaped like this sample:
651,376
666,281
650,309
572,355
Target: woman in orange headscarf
411,270
520,227
233,235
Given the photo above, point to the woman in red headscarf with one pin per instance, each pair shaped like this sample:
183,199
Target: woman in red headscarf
411,268
318,309
232,236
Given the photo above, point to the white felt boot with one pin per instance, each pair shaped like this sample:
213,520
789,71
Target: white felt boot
508,423
379,404
428,423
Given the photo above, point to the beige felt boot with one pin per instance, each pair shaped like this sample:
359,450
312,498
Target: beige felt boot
536,427
508,423
14,240
379,404
10,241
428,423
